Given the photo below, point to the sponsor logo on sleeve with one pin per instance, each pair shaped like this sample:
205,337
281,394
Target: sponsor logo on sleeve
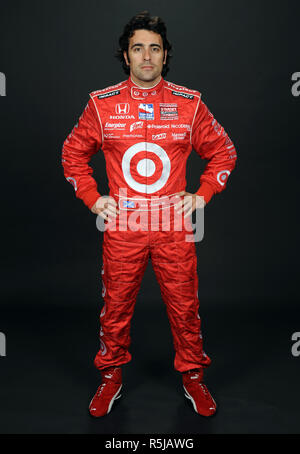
223,176
184,95
109,94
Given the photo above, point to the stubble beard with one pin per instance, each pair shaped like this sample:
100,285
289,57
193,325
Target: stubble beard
147,76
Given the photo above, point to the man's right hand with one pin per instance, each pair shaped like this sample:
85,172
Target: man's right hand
106,207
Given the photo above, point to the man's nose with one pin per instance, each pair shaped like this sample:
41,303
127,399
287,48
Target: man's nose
147,54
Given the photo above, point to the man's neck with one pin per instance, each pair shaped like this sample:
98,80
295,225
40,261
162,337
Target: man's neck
145,84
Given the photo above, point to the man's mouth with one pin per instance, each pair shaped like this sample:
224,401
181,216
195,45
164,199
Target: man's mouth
147,67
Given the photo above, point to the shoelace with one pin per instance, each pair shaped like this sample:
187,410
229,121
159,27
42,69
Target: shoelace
202,385
101,387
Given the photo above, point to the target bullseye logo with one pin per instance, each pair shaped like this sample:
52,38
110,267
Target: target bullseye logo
222,176
159,166
103,348
146,167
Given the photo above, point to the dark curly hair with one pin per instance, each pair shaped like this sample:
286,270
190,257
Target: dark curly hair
143,21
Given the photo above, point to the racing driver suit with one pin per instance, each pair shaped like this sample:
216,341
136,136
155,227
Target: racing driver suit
146,135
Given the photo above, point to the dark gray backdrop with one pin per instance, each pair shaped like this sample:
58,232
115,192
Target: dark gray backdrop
241,56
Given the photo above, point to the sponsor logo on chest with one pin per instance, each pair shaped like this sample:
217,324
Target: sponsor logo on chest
168,111
146,111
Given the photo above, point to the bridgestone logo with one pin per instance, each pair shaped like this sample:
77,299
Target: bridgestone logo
108,95
184,95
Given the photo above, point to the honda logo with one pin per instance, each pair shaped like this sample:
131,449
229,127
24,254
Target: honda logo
122,108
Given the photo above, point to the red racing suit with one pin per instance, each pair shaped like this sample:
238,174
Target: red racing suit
146,135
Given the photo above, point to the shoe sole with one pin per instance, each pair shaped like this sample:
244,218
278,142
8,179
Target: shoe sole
116,396
188,396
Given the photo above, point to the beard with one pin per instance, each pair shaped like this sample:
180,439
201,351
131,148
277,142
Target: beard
147,75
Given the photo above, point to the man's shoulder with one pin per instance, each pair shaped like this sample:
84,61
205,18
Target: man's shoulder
109,91
180,90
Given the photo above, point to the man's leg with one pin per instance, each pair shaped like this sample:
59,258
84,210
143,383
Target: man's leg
124,264
175,264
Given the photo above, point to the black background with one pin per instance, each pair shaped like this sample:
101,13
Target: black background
241,56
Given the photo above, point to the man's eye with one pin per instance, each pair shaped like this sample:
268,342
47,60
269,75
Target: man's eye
156,49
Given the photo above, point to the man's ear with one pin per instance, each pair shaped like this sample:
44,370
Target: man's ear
165,59
126,57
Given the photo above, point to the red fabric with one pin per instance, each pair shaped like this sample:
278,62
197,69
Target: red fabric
125,258
190,125
205,191
146,136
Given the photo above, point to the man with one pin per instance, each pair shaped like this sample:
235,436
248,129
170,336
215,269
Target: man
147,128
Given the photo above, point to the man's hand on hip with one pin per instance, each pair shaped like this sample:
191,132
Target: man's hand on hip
189,203
106,207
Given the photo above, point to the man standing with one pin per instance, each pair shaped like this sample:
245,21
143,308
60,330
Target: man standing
147,128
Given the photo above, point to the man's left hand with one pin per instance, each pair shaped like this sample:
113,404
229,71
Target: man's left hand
189,203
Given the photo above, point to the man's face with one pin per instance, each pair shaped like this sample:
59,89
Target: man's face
145,57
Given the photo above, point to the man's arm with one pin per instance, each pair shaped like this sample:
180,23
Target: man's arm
212,143
81,144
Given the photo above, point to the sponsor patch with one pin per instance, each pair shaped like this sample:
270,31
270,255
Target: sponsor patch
181,126
119,126
128,204
146,112
223,176
109,94
73,182
136,125
184,95
163,135
158,126
122,108
121,117
111,135
168,111
179,135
